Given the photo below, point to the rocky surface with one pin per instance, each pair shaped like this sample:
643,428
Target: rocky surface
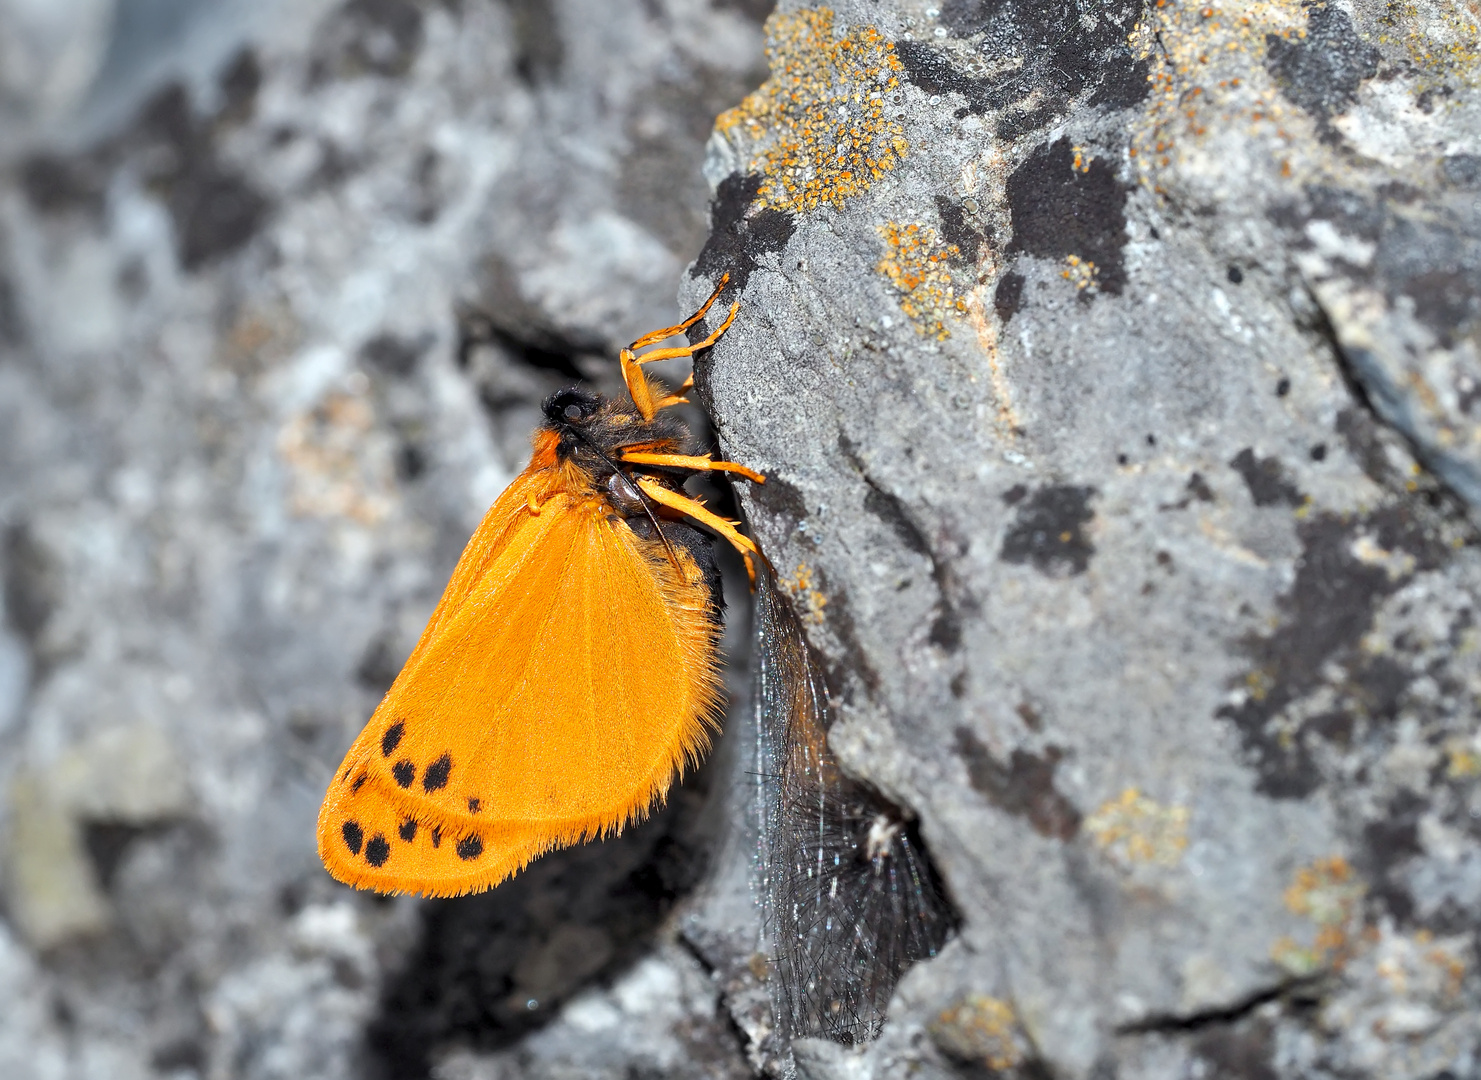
271,339
1113,367
1112,371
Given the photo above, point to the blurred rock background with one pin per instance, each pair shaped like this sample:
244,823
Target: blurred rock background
281,288
1114,366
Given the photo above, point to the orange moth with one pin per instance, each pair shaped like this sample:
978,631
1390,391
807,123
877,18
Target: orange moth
569,671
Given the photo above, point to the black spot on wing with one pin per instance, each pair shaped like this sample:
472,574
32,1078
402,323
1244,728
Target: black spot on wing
392,738
354,836
377,851
436,836
470,848
359,783
435,778
472,805
404,772
408,830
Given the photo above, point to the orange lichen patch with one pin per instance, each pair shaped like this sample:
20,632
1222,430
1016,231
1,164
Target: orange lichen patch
1442,43
801,589
1134,829
817,128
916,264
1329,894
1082,272
981,1029
1462,758
338,469
1207,75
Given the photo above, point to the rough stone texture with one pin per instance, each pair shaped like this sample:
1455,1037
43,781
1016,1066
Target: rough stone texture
1111,368
273,333
1114,369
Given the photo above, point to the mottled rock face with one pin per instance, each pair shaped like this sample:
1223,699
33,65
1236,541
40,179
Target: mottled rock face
1114,368
269,346
1112,371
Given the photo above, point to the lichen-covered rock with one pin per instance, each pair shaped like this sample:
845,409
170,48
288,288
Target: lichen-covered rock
1111,368
1114,368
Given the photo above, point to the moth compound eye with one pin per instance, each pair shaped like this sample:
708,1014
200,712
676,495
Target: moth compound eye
572,412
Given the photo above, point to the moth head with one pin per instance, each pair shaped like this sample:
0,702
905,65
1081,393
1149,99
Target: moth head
570,406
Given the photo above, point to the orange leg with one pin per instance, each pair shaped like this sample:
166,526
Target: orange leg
695,510
698,464
637,383
658,335
677,397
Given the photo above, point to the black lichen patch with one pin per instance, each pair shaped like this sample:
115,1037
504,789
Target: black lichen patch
1018,122
1059,210
368,37
354,836
1266,480
54,184
392,738
1448,301
1195,489
435,778
957,229
740,236
1048,531
239,82
469,848
539,50
377,850
214,209
1124,83
408,830
1324,616
1024,786
571,917
1322,72
404,773
108,842
1007,299
932,71
1066,48
785,508
1388,845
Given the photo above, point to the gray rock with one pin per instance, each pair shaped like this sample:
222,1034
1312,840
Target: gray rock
1070,347
270,342
1113,370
